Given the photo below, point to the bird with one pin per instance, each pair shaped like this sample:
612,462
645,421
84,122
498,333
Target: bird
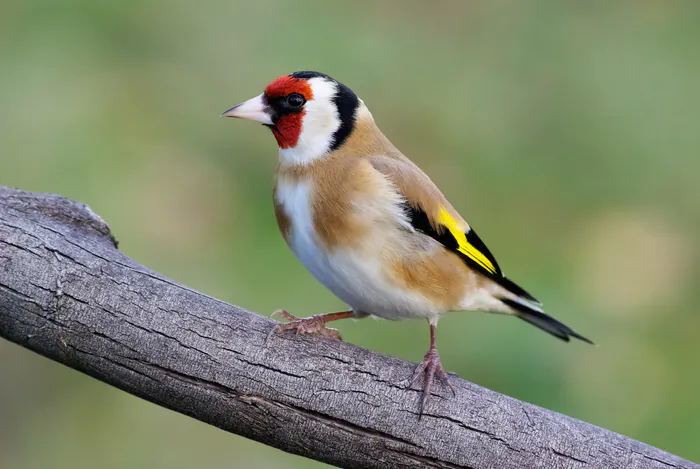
370,225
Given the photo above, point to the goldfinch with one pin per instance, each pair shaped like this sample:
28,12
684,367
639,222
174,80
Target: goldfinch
370,225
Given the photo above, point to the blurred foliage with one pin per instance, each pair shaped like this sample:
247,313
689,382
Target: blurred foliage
566,132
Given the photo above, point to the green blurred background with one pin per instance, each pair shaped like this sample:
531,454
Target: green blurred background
567,133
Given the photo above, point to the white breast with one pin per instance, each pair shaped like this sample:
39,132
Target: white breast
294,200
356,276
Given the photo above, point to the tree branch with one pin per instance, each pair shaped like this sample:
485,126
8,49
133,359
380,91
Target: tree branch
67,293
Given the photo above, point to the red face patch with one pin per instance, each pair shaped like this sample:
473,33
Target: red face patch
289,126
288,129
286,85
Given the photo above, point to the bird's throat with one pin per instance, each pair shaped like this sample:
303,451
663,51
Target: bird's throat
288,129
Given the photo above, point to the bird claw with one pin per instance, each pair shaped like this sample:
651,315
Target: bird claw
284,314
431,368
312,325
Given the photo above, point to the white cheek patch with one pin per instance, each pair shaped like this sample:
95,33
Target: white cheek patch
320,122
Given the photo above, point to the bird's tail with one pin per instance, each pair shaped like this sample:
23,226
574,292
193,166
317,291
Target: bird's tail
528,310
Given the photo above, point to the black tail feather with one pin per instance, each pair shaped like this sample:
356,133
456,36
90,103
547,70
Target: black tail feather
516,289
543,321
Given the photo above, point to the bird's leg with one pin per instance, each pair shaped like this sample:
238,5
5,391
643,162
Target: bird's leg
432,368
314,325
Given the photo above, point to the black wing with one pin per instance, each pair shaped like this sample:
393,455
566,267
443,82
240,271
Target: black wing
468,246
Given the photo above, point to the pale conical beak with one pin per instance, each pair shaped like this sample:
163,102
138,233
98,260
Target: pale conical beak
254,109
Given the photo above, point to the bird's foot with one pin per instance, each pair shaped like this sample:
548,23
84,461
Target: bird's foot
313,325
431,368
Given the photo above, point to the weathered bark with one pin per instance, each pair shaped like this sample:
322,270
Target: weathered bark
67,293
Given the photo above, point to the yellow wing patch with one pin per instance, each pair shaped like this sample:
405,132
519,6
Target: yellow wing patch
464,246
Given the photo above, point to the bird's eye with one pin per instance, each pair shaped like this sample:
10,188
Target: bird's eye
295,100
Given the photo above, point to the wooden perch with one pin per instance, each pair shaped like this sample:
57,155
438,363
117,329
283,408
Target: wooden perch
66,292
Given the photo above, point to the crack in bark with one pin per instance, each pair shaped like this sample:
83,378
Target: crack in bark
192,380
21,248
569,457
651,458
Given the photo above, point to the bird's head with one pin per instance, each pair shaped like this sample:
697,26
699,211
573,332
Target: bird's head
310,114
